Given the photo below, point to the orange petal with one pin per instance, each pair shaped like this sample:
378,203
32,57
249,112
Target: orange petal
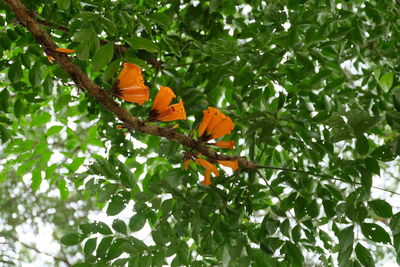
225,144
163,98
65,50
217,118
207,115
233,164
207,178
224,127
172,113
186,164
208,166
131,84
130,77
136,95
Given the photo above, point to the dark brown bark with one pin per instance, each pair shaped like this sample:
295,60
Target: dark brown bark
83,82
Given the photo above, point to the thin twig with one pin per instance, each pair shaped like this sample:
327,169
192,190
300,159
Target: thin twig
275,193
329,177
52,25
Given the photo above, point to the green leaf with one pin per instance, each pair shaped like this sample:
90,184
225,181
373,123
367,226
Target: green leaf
293,254
346,239
75,164
104,246
62,187
313,209
364,256
54,130
90,246
102,57
386,81
15,72
372,165
366,176
111,70
36,179
63,4
120,226
161,18
102,228
36,75
375,233
145,23
396,98
116,205
4,97
84,34
139,245
48,85
383,153
41,119
395,224
184,254
109,26
305,62
137,222
143,43
362,146
83,50
88,16
4,135
18,107
381,208
71,239
296,233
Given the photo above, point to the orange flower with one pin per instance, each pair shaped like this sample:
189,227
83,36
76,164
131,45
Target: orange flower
207,178
233,164
65,50
162,111
224,144
208,166
130,85
214,125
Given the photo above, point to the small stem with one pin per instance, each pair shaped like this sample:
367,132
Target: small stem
275,193
323,176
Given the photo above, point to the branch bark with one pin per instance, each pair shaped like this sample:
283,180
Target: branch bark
83,82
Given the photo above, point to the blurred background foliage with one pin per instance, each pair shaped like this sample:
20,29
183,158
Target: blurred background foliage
311,86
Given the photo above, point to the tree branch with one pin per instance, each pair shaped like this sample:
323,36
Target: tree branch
83,82
56,258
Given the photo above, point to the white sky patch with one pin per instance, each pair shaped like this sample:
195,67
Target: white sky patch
136,143
246,9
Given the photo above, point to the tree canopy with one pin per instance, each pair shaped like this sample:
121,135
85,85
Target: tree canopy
311,87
